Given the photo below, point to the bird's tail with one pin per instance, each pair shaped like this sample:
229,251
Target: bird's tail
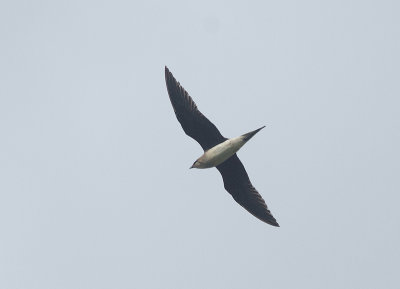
247,136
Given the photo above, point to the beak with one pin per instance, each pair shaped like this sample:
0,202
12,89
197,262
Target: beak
191,167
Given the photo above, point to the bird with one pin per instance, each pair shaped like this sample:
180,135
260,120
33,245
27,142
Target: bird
219,152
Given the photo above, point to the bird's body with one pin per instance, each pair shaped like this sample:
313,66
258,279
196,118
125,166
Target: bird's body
222,151
219,151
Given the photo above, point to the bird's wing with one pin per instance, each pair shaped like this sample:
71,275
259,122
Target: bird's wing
237,183
193,122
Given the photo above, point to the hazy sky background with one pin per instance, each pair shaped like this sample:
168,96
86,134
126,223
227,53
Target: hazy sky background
95,189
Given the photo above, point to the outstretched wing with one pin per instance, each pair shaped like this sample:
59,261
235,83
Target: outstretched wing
193,122
237,183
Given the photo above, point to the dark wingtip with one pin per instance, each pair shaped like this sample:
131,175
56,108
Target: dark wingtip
170,79
274,224
270,220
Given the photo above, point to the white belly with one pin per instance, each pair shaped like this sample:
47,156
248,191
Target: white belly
221,152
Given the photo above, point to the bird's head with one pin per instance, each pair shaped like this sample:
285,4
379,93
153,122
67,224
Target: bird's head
196,165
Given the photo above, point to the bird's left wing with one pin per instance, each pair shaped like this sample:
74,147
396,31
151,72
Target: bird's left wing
237,183
193,122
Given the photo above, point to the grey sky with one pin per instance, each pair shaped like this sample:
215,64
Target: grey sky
95,189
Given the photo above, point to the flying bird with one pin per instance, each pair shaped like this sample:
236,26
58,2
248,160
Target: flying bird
219,151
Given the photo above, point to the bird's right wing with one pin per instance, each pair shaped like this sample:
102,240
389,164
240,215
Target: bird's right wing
193,122
237,183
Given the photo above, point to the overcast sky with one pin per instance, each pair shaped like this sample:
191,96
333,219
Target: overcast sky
95,190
